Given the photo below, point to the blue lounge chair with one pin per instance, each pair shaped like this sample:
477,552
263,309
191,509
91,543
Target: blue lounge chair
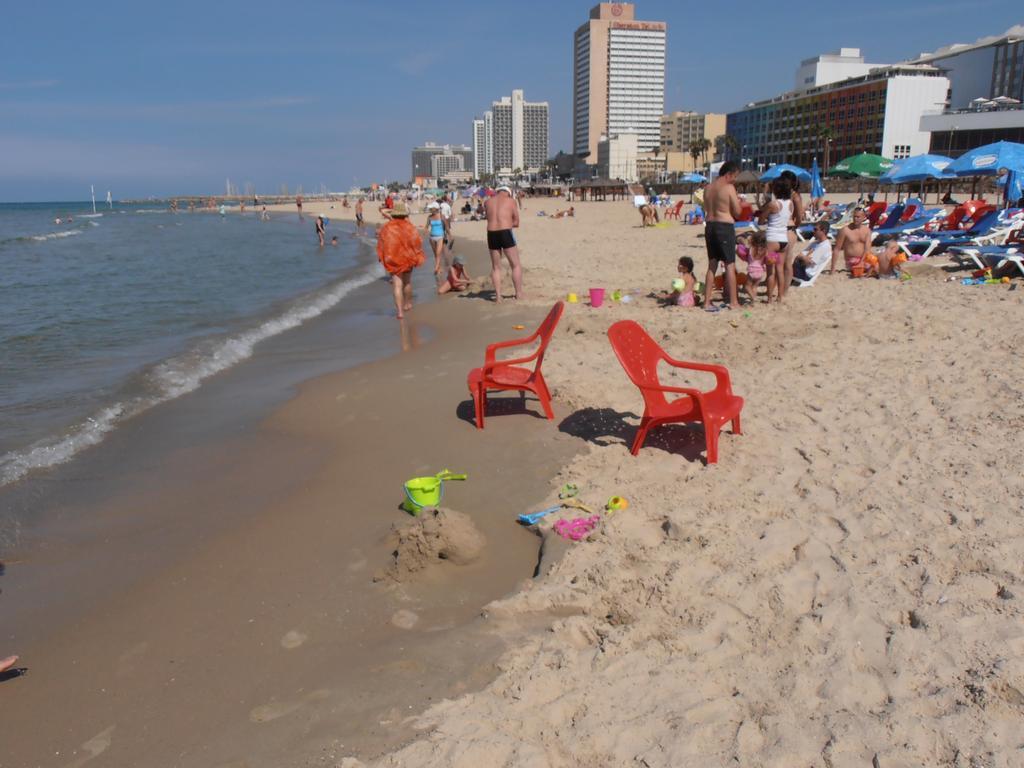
907,227
939,242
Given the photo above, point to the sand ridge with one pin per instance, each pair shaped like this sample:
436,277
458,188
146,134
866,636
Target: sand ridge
843,589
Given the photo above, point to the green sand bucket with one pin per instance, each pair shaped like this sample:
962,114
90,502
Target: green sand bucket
423,492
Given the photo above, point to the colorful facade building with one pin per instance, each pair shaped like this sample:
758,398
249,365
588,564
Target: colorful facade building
879,112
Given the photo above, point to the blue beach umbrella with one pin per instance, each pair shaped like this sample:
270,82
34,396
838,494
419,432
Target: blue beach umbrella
692,178
817,190
987,160
917,168
1013,186
776,170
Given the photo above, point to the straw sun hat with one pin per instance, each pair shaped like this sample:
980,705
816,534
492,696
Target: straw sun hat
400,211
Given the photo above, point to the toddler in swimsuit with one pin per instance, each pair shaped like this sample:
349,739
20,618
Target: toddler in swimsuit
757,254
683,293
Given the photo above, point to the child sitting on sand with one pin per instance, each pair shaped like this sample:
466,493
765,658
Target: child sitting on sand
457,279
683,289
757,253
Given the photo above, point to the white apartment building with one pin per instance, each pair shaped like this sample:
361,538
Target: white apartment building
479,148
618,78
831,68
513,134
443,164
617,157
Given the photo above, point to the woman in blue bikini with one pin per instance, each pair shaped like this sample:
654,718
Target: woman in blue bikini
437,229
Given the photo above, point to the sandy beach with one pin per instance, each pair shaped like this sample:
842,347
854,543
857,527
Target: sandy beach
842,589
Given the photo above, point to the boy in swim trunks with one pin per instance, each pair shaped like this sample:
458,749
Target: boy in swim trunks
723,206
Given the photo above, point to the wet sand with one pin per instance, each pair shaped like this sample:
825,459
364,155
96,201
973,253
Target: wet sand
220,609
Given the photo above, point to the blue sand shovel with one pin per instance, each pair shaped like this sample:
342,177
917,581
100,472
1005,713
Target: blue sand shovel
534,517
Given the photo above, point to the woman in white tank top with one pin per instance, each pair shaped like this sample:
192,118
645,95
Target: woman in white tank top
776,217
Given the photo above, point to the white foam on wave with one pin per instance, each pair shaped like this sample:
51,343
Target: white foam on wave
56,235
183,374
49,452
175,377
90,215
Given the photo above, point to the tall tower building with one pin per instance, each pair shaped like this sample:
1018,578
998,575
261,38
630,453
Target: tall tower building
479,148
618,78
488,142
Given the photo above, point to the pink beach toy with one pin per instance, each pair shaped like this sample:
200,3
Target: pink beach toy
596,297
578,528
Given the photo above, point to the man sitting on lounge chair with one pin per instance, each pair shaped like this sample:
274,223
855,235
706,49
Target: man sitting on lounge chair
814,257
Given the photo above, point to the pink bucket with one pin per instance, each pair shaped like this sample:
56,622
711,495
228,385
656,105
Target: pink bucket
596,297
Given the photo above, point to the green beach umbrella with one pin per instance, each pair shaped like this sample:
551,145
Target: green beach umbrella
865,166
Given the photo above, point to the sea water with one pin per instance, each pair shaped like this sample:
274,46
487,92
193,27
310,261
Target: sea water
108,314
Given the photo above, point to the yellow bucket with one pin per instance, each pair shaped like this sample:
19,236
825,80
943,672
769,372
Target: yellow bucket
423,492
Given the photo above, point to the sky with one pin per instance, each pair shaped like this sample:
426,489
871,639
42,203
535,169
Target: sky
157,99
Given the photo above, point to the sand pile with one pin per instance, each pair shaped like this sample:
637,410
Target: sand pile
844,588
436,536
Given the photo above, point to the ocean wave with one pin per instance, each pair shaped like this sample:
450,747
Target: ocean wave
175,377
54,235
152,210
90,215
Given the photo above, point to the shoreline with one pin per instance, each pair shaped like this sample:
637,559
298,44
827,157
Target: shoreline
148,623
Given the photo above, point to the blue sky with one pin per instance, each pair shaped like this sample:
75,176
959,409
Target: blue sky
172,98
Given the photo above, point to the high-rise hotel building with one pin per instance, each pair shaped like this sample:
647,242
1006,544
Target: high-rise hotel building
618,78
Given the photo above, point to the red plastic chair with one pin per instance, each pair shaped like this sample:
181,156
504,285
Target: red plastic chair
509,374
673,212
639,355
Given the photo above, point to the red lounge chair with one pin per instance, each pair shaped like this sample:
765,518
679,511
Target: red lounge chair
509,375
874,212
673,212
639,355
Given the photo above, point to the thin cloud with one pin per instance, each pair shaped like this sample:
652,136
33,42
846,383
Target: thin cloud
416,63
27,85
186,110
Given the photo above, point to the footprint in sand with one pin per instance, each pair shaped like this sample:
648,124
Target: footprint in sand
405,619
275,709
94,747
128,661
293,639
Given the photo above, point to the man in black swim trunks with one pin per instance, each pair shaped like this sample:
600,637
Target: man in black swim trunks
502,218
722,205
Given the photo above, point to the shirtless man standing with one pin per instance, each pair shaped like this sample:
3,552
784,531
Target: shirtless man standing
723,206
502,218
853,241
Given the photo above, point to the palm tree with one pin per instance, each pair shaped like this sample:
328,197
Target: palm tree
733,146
825,134
705,145
695,150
